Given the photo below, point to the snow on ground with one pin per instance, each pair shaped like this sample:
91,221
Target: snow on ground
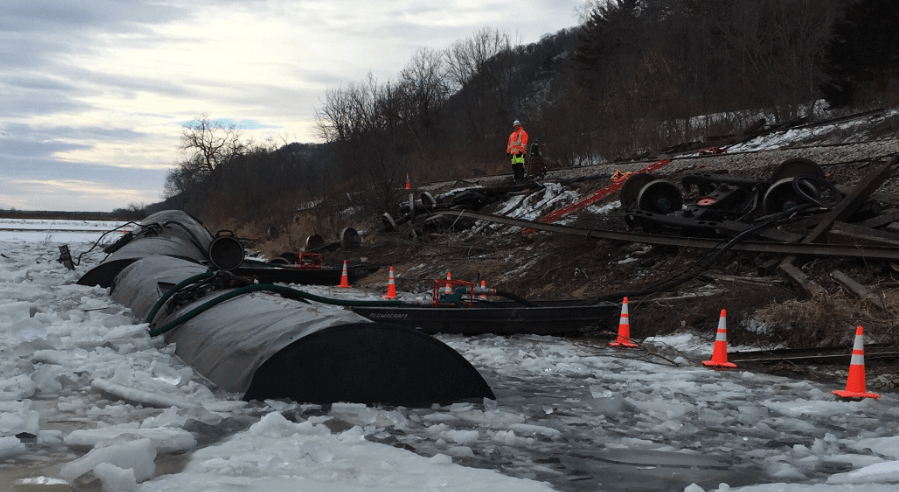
568,416
58,231
788,137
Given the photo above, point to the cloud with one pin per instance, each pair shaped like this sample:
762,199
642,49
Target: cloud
71,195
45,184
93,88
27,142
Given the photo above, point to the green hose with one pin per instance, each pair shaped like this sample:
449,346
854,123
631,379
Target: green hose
284,291
173,291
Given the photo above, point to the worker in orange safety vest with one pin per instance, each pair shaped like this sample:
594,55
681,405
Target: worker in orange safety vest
516,149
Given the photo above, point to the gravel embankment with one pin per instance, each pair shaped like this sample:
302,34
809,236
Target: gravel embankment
757,164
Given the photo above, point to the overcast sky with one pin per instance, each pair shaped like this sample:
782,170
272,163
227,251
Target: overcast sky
93,92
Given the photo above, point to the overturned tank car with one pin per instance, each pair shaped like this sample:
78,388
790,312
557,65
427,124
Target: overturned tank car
269,341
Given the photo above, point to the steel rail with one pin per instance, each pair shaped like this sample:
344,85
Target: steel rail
799,249
812,355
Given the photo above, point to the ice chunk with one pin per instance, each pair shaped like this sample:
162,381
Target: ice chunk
535,429
49,437
224,405
165,440
15,310
784,470
460,452
274,424
887,471
165,373
17,417
30,328
887,446
137,455
441,459
461,407
114,478
316,451
147,398
10,446
45,379
18,387
460,436
47,484
693,488
436,429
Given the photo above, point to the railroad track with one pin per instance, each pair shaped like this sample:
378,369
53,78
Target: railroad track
820,355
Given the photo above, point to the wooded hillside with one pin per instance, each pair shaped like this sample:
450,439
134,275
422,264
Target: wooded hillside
634,77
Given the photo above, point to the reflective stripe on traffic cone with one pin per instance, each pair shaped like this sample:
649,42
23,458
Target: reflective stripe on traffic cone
391,287
344,279
448,290
855,384
624,329
484,285
719,353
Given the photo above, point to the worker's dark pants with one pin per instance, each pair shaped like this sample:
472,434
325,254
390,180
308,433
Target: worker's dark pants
518,171
518,166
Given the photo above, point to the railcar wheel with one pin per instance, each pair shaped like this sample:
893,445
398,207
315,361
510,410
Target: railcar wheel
781,196
631,188
660,197
798,166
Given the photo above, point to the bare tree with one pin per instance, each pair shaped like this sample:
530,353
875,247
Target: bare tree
211,143
208,144
364,125
480,70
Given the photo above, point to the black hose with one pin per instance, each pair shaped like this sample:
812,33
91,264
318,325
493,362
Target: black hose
165,297
77,262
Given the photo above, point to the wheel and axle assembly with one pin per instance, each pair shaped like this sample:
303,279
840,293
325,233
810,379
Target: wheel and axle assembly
660,197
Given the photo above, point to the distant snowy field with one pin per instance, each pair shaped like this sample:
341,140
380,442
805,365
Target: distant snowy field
59,231
79,378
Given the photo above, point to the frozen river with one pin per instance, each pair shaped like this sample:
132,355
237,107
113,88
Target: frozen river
568,415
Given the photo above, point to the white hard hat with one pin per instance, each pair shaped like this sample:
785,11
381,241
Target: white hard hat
516,123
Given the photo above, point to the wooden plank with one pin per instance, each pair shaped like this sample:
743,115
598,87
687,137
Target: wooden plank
858,289
843,233
855,199
881,220
886,198
847,206
794,275
839,236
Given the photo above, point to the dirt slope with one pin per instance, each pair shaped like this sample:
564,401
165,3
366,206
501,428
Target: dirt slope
763,310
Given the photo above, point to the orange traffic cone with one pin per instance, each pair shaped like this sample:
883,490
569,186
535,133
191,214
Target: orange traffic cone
624,329
719,352
448,290
855,384
344,280
484,285
391,287
408,184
